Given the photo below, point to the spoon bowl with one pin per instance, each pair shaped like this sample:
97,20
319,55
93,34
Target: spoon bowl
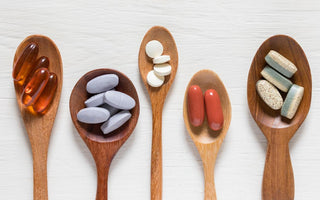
157,98
278,183
103,147
207,141
39,126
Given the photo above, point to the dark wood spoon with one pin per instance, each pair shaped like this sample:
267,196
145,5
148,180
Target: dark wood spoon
278,179
39,126
103,147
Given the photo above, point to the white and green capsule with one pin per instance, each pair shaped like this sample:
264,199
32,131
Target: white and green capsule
292,101
281,64
281,82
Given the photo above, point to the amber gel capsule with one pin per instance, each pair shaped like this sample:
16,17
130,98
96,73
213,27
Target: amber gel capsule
43,61
24,64
45,98
35,86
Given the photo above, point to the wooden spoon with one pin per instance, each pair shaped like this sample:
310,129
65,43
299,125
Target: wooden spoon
207,141
39,126
103,147
157,97
278,180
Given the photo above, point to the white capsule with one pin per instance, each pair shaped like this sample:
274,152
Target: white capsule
162,69
115,121
154,49
161,59
154,80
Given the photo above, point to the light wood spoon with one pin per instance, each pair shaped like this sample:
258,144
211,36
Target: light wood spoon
103,147
278,179
39,126
207,141
157,97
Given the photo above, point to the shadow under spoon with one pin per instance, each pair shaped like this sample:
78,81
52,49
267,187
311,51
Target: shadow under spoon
278,179
39,126
207,141
103,147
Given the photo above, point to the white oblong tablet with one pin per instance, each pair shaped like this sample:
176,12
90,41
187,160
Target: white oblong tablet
115,121
154,80
93,115
154,49
95,100
161,59
102,83
119,100
162,69
111,109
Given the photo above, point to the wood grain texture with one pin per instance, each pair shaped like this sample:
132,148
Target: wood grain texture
207,141
278,180
39,126
157,98
219,35
103,147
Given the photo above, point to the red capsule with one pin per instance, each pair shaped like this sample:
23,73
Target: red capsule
35,86
43,61
45,98
24,64
214,110
195,105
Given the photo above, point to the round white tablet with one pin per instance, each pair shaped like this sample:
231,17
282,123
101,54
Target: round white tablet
162,69
154,80
161,59
154,49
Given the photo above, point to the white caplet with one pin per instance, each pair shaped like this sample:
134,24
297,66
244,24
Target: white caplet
161,59
154,80
162,69
154,49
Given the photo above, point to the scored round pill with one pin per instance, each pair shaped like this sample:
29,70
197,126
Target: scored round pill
154,49
161,59
162,69
154,80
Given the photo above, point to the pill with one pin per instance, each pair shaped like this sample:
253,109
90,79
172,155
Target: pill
93,115
112,110
24,64
102,83
162,69
43,61
154,49
115,121
281,82
35,86
195,105
161,59
47,95
281,64
292,101
95,100
213,109
269,94
154,80
119,100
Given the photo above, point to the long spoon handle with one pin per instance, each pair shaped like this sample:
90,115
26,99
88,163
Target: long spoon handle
278,180
156,154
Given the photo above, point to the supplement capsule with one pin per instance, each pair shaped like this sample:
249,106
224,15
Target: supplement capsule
45,98
195,105
35,86
43,61
24,64
214,110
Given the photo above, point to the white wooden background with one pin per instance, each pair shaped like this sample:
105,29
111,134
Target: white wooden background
216,34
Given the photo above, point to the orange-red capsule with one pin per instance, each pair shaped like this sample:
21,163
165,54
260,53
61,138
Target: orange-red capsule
45,98
214,110
43,61
35,86
195,105
24,64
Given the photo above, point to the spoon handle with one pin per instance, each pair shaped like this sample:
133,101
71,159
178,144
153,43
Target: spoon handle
156,154
278,180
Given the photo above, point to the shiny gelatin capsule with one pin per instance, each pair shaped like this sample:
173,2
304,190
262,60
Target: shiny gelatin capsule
213,109
195,105
43,61
35,86
45,98
24,64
